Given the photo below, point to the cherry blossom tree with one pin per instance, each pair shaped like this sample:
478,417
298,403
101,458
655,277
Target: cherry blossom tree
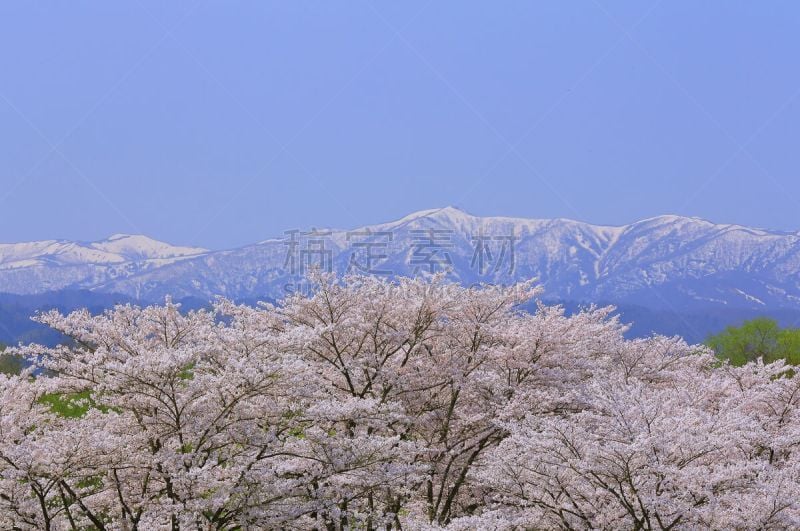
380,404
667,439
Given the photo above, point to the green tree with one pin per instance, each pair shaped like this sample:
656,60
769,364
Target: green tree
757,338
10,364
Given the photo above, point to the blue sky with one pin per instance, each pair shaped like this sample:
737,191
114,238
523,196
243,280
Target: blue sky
223,123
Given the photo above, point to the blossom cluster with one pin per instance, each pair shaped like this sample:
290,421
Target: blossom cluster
372,404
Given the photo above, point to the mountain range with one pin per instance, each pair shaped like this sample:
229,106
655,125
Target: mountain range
679,265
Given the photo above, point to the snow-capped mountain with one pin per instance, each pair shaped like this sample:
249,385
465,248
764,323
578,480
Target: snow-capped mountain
36,267
667,262
116,249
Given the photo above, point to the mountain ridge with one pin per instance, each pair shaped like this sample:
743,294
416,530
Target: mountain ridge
666,261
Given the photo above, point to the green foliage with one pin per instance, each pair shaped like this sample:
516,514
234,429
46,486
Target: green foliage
187,373
10,364
757,338
70,406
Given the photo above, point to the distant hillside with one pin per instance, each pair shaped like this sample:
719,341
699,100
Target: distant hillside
16,310
694,326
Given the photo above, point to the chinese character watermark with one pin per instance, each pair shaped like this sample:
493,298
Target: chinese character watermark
430,249
484,259
314,254
373,246
369,252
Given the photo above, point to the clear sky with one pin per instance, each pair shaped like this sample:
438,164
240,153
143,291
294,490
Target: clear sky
224,123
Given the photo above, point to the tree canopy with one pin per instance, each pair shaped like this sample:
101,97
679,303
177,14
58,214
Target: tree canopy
760,338
372,404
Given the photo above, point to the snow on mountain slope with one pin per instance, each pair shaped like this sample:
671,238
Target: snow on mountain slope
116,249
138,247
668,261
36,267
